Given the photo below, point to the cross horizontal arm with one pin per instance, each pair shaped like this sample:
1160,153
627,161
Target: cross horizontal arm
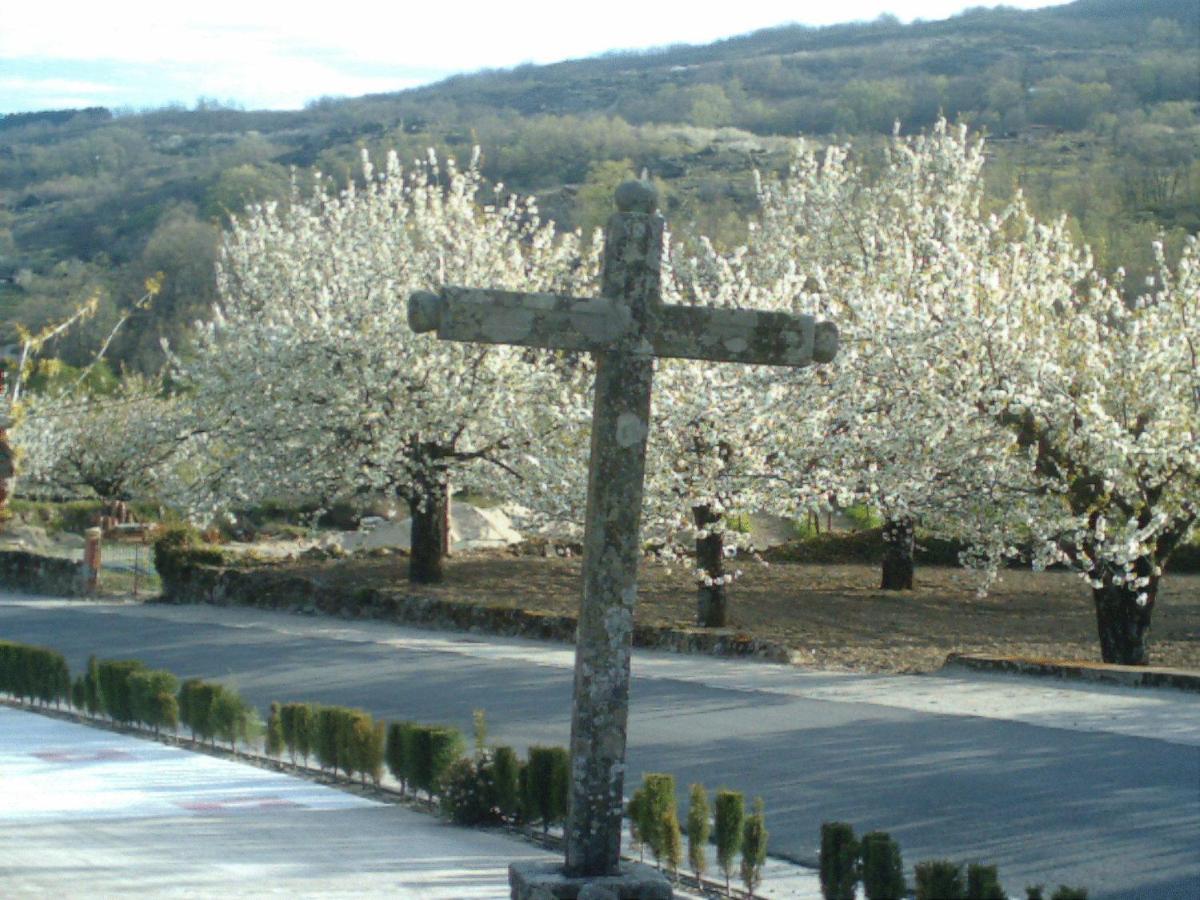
754,337
525,319
551,321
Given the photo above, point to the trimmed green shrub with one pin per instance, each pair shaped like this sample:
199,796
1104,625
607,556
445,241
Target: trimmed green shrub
233,719
212,711
287,728
469,791
328,724
152,693
528,806
91,684
363,751
1069,893
1035,892
400,752
437,748
298,723
698,827
754,846
116,693
647,826
983,883
838,861
882,867
13,679
79,694
306,730
196,699
275,742
633,809
34,673
729,822
658,812
506,770
672,840
166,711
345,728
56,684
549,784
940,879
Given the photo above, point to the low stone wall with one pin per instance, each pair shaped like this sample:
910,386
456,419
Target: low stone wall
266,588
1130,676
24,571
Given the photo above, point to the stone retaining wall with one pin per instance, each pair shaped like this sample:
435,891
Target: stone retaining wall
1130,676
266,588
24,571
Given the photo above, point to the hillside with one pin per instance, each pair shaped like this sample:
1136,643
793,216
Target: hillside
1092,108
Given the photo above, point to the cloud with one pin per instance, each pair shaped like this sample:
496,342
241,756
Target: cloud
250,52
470,35
285,83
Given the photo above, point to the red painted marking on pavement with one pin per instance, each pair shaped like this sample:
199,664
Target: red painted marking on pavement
237,804
75,756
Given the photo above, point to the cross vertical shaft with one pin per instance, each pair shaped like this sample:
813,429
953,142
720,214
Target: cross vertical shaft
625,329
612,545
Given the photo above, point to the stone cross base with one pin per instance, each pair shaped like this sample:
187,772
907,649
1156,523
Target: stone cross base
546,881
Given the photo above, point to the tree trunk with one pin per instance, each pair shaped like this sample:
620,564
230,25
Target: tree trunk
898,539
1124,623
712,600
428,507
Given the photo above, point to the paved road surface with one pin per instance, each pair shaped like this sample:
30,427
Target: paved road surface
1085,785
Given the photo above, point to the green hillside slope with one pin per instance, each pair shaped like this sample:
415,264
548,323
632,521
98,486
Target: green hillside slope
1091,107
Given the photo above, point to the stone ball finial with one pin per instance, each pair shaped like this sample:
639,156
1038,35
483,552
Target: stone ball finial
825,342
424,311
636,197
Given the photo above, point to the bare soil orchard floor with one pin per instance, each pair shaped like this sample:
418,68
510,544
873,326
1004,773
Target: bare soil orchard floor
834,615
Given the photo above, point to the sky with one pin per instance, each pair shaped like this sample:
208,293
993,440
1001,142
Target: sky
132,54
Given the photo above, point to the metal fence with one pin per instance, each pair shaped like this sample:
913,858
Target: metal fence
128,556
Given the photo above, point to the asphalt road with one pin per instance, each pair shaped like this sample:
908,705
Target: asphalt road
1090,786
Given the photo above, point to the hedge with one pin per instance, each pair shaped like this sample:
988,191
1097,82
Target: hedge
34,673
214,711
153,697
116,691
178,549
436,749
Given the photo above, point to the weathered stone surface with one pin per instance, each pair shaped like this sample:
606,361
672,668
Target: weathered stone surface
611,551
548,881
1129,676
514,317
625,328
754,337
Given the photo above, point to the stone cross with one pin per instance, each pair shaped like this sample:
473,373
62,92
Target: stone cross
625,329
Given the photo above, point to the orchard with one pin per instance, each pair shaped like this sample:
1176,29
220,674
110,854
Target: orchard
992,385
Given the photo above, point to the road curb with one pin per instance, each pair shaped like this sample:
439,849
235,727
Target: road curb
1130,676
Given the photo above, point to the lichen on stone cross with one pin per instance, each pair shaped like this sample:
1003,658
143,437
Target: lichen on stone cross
626,327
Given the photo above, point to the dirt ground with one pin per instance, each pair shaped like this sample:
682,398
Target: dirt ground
834,615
